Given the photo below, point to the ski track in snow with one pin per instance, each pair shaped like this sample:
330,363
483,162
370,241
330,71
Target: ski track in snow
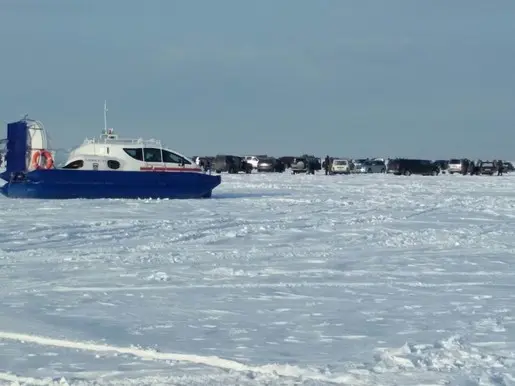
279,279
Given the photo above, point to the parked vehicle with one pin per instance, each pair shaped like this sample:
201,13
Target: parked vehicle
508,167
487,168
372,166
357,164
244,165
204,162
340,166
252,159
458,166
270,164
287,161
315,162
407,167
443,165
231,164
305,164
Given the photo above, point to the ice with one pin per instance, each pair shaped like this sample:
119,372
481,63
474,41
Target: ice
278,279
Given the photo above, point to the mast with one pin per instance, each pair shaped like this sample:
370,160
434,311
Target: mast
105,116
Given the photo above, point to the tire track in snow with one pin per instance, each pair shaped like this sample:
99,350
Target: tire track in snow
211,361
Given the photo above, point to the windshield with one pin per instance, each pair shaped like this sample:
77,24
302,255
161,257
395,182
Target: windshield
340,162
455,161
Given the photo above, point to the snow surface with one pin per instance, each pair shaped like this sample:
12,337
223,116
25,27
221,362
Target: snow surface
279,279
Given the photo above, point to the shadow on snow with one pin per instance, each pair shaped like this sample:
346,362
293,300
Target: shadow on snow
248,195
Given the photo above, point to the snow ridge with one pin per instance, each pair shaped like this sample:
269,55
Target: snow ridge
212,361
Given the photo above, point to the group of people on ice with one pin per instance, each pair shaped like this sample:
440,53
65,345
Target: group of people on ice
474,168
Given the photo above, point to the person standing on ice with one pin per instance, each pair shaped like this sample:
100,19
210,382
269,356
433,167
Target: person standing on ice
471,168
500,167
327,165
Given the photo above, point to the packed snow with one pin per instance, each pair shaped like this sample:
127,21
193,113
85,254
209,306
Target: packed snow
278,279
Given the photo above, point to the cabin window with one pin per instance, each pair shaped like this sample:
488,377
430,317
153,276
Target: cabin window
75,164
152,155
112,164
173,158
137,154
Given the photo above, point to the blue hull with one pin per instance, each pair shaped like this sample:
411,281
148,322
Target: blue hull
67,184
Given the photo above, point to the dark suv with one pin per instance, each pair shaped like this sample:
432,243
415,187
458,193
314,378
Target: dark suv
407,167
487,168
287,161
270,164
231,164
305,164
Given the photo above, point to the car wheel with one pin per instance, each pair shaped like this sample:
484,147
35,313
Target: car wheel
407,173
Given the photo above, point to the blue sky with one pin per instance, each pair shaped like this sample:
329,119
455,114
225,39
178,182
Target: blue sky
413,78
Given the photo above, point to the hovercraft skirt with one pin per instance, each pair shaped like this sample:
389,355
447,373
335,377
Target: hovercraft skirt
92,184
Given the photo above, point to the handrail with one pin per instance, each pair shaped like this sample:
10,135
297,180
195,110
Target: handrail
122,141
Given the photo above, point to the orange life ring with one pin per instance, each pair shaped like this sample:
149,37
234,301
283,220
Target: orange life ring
49,160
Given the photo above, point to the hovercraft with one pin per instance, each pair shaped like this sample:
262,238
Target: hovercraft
104,167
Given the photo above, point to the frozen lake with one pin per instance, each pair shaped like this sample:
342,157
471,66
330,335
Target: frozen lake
279,279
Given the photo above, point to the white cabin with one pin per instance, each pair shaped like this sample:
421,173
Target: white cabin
108,152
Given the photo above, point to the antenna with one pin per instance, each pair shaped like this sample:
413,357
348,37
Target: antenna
105,116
